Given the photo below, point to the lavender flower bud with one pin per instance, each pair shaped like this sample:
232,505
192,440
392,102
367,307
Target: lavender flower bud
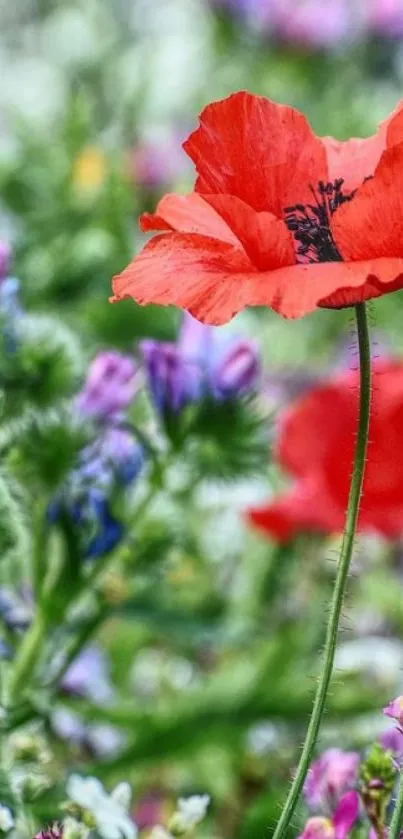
110,387
173,382
239,371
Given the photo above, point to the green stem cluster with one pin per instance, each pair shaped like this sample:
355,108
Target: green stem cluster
341,576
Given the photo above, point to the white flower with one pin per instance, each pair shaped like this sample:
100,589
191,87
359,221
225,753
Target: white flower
122,795
6,819
110,812
190,812
159,832
73,829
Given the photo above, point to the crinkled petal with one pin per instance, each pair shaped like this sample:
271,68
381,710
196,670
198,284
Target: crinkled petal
188,214
356,159
265,238
261,152
211,279
296,291
371,225
214,280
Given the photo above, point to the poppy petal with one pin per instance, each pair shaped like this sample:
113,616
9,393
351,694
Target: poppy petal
277,520
356,159
371,225
211,279
265,238
300,449
264,153
294,292
214,280
304,508
188,214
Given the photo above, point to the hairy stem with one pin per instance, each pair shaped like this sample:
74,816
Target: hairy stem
397,818
341,576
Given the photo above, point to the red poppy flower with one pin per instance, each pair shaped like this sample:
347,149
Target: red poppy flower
279,217
316,446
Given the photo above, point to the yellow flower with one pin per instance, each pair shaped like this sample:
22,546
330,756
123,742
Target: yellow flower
89,169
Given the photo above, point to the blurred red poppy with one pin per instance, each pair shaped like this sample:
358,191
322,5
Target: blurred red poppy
316,446
279,217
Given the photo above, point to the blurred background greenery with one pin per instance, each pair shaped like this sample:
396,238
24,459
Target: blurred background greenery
213,634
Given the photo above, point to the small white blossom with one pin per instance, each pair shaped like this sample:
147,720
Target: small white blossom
110,812
122,795
159,832
73,829
190,812
6,819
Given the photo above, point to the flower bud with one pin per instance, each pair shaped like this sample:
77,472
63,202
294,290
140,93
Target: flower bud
377,780
110,387
239,371
173,382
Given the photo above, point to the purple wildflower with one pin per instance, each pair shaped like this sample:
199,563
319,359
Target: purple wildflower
329,777
90,511
315,24
386,17
89,676
53,832
395,710
202,363
110,387
101,740
115,457
173,383
339,826
5,260
392,740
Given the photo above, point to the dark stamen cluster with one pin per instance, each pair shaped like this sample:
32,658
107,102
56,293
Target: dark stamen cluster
310,223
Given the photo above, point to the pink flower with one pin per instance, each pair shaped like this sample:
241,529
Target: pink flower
392,740
395,710
329,777
339,826
386,17
316,24
5,259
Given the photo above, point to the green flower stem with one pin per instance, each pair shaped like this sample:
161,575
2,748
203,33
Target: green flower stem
341,579
26,659
40,547
397,818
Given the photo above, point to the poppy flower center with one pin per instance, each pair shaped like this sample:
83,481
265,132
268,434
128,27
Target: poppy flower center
310,223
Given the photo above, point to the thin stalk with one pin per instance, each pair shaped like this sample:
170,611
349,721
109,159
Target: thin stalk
27,657
341,576
397,818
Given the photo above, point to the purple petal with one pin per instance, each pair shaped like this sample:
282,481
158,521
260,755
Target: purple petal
346,814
